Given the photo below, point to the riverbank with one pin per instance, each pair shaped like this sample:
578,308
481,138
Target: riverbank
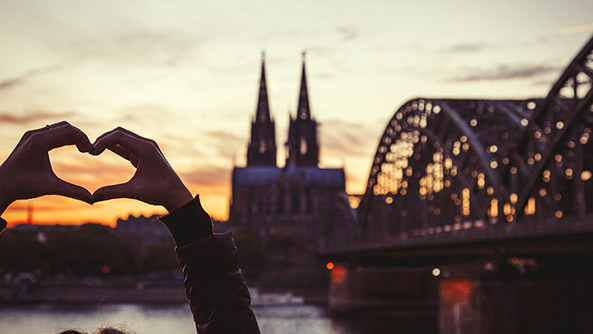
135,289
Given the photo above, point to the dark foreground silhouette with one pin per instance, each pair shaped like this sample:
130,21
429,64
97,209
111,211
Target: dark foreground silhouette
218,295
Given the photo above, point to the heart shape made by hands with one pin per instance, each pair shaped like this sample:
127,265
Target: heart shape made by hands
89,171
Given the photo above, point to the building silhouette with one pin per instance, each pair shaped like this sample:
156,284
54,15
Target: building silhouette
289,199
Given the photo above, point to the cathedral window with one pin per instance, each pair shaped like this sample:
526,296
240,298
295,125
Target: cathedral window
303,146
303,114
262,146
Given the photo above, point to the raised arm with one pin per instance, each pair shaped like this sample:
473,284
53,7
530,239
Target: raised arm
217,292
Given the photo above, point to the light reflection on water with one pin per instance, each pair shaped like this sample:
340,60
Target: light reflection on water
178,319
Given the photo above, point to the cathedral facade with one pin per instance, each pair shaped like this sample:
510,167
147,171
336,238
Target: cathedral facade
289,199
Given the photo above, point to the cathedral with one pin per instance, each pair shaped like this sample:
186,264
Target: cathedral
289,199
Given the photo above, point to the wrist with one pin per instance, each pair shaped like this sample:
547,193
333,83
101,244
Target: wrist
177,199
5,201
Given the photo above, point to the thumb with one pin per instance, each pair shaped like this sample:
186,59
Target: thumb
67,189
123,190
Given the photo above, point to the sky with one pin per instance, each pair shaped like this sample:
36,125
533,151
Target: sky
186,74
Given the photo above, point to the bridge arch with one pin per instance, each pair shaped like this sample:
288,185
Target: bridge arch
443,149
555,150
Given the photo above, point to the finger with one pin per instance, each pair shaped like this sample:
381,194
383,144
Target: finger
122,152
121,138
67,189
123,190
62,134
30,133
148,140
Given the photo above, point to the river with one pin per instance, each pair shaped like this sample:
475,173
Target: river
273,319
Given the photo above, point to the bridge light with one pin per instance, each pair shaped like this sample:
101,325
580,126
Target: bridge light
586,175
493,211
330,266
514,198
568,173
436,272
530,208
507,209
558,214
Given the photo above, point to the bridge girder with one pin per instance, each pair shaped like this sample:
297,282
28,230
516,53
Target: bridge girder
465,137
554,148
506,159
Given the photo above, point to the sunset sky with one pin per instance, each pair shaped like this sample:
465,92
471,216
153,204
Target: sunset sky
185,73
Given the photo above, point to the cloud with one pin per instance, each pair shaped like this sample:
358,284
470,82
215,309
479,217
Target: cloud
348,138
467,48
576,29
36,116
207,176
506,72
21,79
139,47
226,143
347,33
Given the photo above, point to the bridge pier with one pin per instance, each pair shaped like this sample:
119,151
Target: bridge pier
465,300
354,289
506,305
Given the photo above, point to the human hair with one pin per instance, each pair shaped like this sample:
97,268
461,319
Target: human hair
98,331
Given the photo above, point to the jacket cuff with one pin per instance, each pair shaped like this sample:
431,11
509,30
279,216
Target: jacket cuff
211,258
188,223
2,225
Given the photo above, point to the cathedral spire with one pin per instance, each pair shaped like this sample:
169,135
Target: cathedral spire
263,110
303,110
262,146
303,144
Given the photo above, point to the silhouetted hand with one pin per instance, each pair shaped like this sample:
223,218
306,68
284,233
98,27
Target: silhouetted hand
27,172
154,182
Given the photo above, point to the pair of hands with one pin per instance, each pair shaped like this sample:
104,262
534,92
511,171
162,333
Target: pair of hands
27,172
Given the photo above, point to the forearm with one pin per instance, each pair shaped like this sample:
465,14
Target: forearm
218,295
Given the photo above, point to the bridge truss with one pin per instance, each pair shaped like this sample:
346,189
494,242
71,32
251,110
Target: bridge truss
452,167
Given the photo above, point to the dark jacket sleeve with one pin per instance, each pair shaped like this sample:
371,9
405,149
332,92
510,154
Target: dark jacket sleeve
2,225
217,292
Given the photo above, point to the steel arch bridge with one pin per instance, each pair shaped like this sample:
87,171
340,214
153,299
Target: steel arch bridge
449,169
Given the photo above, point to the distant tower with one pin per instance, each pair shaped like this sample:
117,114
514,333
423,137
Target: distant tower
303,144
262,146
